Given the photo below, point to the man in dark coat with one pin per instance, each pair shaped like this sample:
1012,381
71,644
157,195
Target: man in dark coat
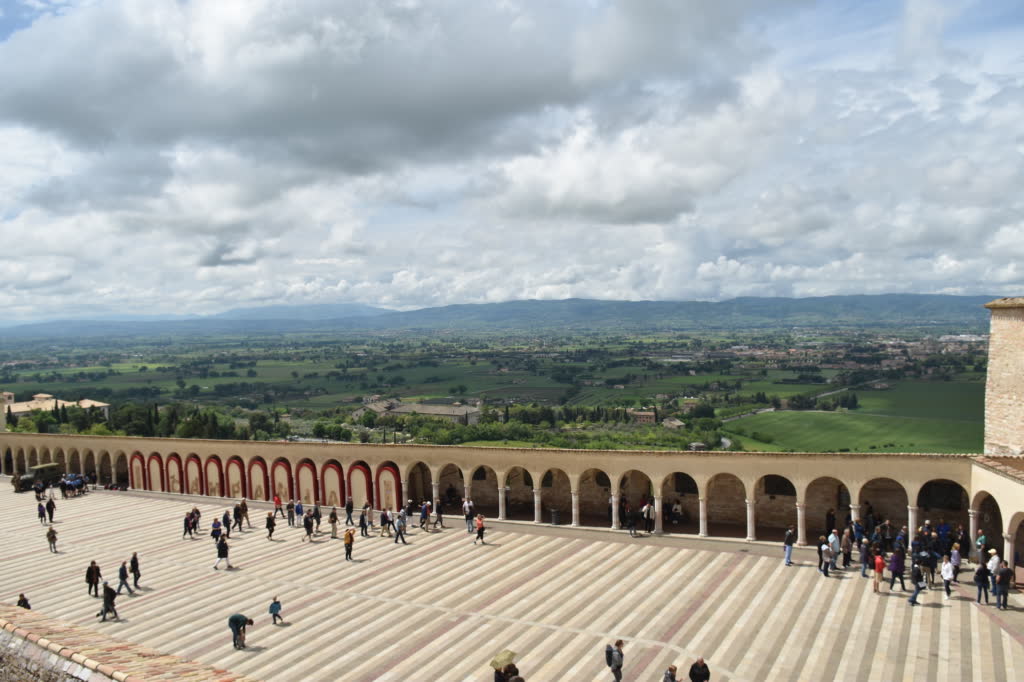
237,515
237,622
92,577
133,566
699,671
348,512
50,507
109,595
222,553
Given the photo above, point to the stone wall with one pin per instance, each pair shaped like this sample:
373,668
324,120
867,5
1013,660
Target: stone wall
1004,390
726,500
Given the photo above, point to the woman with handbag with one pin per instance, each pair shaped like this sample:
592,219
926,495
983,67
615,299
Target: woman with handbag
480,529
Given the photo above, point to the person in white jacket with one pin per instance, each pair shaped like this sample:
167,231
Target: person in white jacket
993,566
947,574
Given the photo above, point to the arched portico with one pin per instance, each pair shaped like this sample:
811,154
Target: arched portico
89,463
137,472
594,490
60,458
360,484
74,462
214,471
259,480
989,521
155,472
388,491
175,474
33,458
8,462
420,483
823,497
452,486
555,495
121,468
306,482
774,505
727,506
195,482
886,499
106,471
332,484
681,489
281,479
235,478
483,490
519,494
943,502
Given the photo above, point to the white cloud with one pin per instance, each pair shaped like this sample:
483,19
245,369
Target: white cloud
194,156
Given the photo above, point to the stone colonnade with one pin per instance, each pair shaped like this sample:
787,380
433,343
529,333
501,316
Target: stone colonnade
714,492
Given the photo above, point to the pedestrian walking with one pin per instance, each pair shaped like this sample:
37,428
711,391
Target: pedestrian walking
93,577
237,622
947,575
631,523
277,507
349,507
222,553
225,523
196,516
438,516
291,512
133,568
955,559
467,512
879,562
400,528
300,511
109,596
51,538
350,538
362,524
41,513
825,554
916,577
385,522
424,514
307,525
271,524
317,515
699,671
834,546
865,557
615,658
122,577
187,526
275,612
480,528
669,675
981,579
245,513
51,506
1004,576
237,516
23,602
787,545
333,520
896,567
993,567
979,547
215,530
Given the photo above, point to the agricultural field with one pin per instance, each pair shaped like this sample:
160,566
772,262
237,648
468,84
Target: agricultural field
909,417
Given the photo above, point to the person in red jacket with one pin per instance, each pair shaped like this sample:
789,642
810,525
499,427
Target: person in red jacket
277,506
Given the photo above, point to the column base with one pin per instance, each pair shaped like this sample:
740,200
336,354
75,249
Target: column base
702,535
750,539
574,525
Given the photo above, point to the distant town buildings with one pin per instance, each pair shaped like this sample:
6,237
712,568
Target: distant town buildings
43,401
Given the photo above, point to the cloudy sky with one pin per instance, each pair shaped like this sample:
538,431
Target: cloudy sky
176,156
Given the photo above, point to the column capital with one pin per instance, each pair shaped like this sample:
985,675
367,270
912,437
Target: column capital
801,505
912,508
1007,537
973,512
855,506
657,497
575,493
750,503
536,491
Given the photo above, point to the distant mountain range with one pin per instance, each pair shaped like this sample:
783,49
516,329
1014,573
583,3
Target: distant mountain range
887,310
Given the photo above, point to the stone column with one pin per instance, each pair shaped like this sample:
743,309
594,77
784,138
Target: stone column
703,504
659,526
854,512
405,496
1008,550
911,523
501,503
536,506
801,524
466,487
972,515
751,535
615,512
435,491
575,508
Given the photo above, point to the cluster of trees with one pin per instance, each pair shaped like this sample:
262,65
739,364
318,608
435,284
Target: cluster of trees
64,419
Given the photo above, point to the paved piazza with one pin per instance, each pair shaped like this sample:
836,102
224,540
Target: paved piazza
440,608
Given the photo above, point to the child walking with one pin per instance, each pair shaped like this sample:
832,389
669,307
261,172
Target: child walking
275,611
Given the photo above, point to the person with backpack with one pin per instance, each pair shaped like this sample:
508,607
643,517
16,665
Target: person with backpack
615,658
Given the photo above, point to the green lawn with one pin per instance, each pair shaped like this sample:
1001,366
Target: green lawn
909,417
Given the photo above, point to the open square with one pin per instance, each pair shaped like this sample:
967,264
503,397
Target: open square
441,607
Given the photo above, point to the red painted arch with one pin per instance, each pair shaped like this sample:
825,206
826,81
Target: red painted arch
202,471
398,481
241,470
220,474
131,472
257,463
160,467
369,481
175,460
286,467
341,477
306,464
